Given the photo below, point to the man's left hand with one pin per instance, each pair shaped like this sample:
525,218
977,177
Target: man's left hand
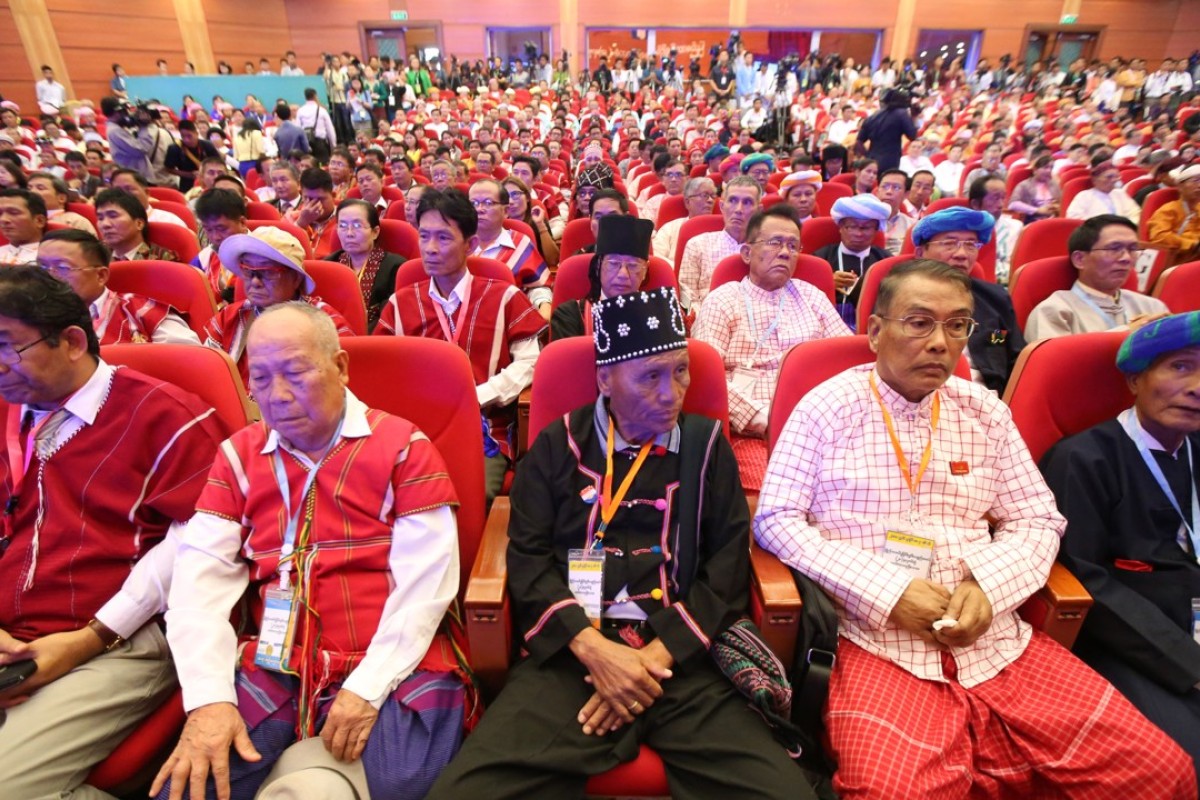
56,655
348,726
970,606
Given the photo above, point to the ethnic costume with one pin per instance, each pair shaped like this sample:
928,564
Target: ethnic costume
121,318
1082,309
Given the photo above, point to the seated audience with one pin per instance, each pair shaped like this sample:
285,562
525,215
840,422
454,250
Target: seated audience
362,669
375,268
1104,196
1175,227
673,174
134,183
22,223
122,223
740,198
1105,250
316,213
628,660
55,193
699,196
920,190
858,219
1038,196
1128,490
799,190
927,560
987,194
619,266
510,247
221,214
285,180
369,180
891,189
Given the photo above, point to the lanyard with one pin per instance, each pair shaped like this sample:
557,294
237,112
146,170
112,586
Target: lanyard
608,503
105,314
460,318
1133,427
20,455
287,551
1104,315
905,468
758,340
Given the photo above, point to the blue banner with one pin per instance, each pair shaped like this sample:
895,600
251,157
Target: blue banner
170,89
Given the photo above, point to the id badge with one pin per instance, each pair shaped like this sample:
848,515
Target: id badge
1196,619
585,578
909,552
277,630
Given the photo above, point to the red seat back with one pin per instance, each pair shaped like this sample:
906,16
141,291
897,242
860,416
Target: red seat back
809,269
413,270
441,403
1179,287
1042,239
576,236
519,226
870,288
168,194
810,364
394,236
942,203
85,210
1072,187
179,240
565,379
180,286
1044,392
672,207
1032,283
571,281
338,286
395,211
1154,201
258,210
181,210
828,194
705,223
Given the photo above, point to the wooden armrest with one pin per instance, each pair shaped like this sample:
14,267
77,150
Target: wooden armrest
489,626
523,403
774,603
1059,608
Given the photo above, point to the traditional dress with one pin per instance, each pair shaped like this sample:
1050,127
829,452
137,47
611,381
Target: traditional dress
14,254
1081,309
1002,717
993,348
1176,228
146,252
666,237
520,254
127,317
843,260
753,329
388,534
227,330
494,324
376,280
110,473
219,278
671,572
894,231
1127,546
700,258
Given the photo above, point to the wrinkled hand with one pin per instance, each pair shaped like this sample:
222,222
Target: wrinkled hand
204,747
844,280
56,655
600,716
970,606
310,212
922,603
627,679
348,726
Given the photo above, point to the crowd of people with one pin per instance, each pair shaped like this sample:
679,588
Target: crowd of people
752,207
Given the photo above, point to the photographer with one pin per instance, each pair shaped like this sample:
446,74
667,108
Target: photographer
135,142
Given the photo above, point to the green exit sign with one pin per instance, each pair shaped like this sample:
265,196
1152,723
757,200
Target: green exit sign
1066,19
400,16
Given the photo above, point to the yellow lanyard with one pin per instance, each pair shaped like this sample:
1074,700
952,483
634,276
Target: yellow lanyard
901,460
608,503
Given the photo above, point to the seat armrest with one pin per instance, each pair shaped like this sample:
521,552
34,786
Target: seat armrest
774,603
1059,608
524,400
489,625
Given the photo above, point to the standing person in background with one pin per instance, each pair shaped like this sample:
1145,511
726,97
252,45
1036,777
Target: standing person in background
881,135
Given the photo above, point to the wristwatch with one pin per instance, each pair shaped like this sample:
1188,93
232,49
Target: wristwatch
108,637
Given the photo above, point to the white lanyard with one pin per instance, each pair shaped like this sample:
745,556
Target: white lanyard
758,340
1104,315
289,535
1133,427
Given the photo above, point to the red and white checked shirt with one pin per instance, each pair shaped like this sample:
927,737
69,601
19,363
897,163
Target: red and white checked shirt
753,329
700,258
833,489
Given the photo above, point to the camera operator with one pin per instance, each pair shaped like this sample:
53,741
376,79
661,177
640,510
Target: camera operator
136,141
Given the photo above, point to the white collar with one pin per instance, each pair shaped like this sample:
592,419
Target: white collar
97,306
1113,298
860,255
354,426
85,403
456,294
505,239
1133,424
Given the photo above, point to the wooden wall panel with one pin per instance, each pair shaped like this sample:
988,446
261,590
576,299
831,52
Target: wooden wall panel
320,26
16,76
241,31
1185,37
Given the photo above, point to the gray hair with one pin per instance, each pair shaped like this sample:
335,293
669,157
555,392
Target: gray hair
321,324
743,180
696,184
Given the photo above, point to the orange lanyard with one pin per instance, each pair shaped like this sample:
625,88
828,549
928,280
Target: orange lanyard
901,460
20,453
608,503
460,317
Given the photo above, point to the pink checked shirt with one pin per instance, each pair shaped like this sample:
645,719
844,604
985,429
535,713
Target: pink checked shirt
700,258
752,329
833,489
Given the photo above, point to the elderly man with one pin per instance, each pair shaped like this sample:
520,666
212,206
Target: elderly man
22,223
799,190
752,323
619,266
510,247
699,195
927,558
55,192
891,189
270,262
1104,250
858,219
1128,490
920,190
113,460
739,200
954,236
82,262
624,659
348,666
759,166
1175,227
491,320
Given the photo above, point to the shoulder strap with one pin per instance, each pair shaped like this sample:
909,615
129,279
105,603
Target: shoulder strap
697,436
816,652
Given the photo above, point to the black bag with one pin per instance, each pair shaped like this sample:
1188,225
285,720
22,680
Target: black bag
816,653
319,147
